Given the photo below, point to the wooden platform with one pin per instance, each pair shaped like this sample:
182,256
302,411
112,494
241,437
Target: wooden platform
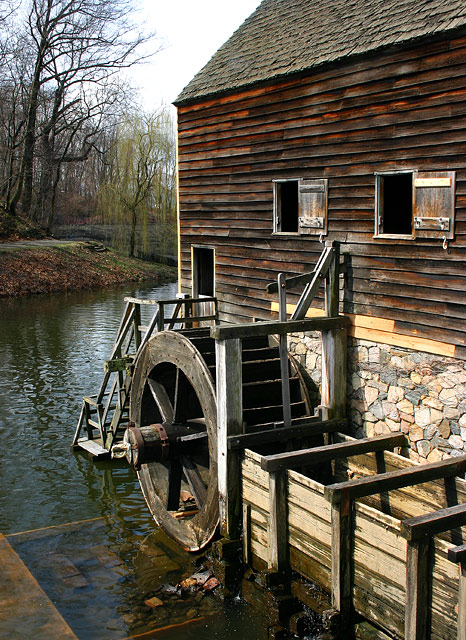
25,610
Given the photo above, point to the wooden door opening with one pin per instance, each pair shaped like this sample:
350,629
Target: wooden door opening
203,261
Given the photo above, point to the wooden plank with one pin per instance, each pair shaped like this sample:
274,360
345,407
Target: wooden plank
27,612
417,590
254,329
281,434
318,455
229,423
395,479
93,448
432,523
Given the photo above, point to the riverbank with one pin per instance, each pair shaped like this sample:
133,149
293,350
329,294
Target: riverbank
31,267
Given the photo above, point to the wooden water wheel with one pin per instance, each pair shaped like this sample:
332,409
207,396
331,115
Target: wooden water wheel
172,440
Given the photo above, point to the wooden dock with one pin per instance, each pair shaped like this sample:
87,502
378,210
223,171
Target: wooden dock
25,610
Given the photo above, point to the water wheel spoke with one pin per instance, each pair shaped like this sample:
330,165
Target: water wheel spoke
175,474
181,399
162,400
193,477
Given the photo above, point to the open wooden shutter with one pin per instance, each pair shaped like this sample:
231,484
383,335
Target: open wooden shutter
313,204
434,204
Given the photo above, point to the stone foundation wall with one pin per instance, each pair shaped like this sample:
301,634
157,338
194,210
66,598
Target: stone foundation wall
394,389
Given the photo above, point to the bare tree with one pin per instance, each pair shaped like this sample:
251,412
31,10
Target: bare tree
77,48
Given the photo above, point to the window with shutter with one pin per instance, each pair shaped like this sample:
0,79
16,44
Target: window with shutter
415,204
300,206
434,204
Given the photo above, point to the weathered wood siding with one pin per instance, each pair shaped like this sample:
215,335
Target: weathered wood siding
379,551
400,110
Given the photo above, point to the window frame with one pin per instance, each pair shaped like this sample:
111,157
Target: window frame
378,218
277,207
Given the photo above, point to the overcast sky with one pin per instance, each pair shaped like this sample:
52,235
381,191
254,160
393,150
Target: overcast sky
191,30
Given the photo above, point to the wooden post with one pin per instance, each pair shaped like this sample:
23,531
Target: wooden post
246,533
229,423
284,365
136,325
334,372
342,564
417,589
278,521
462,603
333,344
332,282
161,319
458,555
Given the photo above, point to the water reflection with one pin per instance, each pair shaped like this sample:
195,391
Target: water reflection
52,352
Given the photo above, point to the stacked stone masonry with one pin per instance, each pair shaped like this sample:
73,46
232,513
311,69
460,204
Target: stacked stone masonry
393,389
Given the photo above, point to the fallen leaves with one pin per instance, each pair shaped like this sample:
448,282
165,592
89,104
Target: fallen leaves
71,268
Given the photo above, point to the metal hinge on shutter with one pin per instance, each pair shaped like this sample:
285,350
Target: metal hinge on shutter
436,224
311,223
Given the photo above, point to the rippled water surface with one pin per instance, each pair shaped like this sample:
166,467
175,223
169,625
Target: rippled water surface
52,352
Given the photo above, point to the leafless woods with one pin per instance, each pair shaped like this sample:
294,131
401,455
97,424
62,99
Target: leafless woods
67,116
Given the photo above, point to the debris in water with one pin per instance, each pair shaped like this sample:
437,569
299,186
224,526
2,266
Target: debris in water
211,584
153,602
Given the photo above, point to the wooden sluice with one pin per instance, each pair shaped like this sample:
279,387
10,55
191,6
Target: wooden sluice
381,534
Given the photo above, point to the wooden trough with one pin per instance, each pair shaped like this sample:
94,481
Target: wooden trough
376,534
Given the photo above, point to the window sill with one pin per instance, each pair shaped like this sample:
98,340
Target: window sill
286,233
394,236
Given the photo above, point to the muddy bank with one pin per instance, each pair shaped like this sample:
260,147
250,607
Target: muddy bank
70,267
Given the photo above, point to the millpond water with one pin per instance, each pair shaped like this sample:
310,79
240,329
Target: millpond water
82,528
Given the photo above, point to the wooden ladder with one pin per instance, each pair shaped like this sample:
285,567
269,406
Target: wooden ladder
103,415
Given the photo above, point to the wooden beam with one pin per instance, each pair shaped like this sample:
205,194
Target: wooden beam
318,427
254,329
318,455
429,524
229,423
371,485
417,590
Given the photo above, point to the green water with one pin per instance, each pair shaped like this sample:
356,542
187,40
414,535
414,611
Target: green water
52,350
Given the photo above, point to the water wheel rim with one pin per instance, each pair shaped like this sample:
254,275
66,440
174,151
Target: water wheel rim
169,347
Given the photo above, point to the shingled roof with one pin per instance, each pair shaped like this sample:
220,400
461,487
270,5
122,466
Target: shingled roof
284,37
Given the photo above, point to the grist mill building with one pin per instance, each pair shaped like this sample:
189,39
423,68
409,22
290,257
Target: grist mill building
341,121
